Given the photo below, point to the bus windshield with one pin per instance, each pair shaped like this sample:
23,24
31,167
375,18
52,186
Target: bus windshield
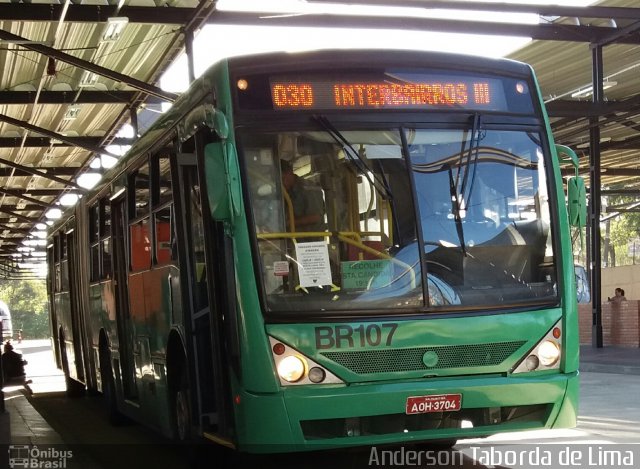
388,218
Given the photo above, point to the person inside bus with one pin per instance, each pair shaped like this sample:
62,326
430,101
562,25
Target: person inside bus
618,296
12,365
307,201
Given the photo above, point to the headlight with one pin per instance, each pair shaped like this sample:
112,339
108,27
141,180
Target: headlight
291,368
545,355
548,352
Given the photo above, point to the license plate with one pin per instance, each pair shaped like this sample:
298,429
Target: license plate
437,403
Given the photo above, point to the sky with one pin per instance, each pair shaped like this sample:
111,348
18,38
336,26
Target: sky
215,42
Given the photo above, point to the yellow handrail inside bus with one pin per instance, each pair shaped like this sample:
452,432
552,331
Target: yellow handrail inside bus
346,238
289,204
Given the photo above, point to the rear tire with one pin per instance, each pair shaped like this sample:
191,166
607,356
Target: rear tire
109,390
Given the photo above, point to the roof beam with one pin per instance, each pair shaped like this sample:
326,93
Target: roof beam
25,172
18,216
44,142
47,192
67,97
40,173
542,10
51,134
179,16
583,109
617,35
90,66
549,32
632,192
16,230
606,172
20,195
94,13
32,207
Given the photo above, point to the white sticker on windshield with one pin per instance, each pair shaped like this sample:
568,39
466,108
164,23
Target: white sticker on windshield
313,264
281,268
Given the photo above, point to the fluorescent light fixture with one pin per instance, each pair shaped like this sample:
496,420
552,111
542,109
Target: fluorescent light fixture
117,193
89,180
588,91
114,29
88,80
108,161
68,200
34,242
72,113
53,214
95,164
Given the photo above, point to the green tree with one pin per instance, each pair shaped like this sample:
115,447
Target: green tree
623,230
27,301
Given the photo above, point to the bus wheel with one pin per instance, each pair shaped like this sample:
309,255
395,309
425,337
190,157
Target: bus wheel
181,410
109,390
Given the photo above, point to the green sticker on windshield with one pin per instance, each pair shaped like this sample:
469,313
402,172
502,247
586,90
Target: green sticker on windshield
361,275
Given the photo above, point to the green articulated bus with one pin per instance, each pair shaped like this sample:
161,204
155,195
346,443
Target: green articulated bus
330,249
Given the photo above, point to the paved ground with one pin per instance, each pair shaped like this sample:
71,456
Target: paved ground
609,414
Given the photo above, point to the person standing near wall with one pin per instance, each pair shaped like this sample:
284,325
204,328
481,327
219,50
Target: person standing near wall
618,296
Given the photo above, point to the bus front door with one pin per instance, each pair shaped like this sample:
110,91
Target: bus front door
197,302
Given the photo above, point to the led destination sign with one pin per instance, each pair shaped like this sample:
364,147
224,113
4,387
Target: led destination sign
422,92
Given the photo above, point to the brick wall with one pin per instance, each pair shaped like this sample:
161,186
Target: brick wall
620,323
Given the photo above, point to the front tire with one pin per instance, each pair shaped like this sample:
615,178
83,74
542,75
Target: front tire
182,411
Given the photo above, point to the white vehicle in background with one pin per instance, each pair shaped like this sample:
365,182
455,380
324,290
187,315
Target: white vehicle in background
5,317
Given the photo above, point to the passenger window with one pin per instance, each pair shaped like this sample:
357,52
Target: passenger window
140,182
140,245
164,192
164,235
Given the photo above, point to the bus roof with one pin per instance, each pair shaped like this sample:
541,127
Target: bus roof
376,57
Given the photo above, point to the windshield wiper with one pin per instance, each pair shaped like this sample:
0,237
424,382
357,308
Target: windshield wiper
359,162
455,208
460,197
474,150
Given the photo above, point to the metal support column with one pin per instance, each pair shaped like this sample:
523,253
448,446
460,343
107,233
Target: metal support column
594,202
188,47
133,117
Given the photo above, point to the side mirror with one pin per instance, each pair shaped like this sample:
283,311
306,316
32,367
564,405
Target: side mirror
577,202
576,190
205,115
223,177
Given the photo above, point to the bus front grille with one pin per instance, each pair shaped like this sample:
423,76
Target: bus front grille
532,416
424,358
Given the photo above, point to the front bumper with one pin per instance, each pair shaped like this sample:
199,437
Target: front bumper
315,417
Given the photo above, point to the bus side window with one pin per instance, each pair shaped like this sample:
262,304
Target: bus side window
164,242
140,235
